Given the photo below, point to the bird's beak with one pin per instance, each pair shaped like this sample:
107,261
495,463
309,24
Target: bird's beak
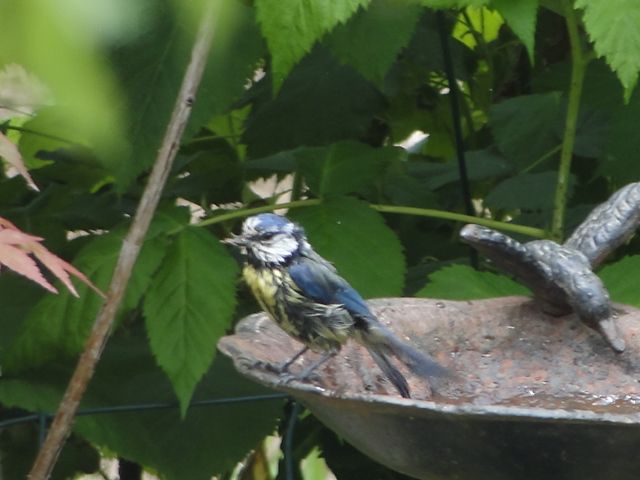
236,241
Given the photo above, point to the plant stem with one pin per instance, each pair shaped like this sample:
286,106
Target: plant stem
423,212
129,253
580,61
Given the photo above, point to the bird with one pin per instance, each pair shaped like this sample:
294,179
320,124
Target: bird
306,297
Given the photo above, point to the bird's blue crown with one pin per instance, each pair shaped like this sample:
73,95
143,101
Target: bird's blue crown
270,221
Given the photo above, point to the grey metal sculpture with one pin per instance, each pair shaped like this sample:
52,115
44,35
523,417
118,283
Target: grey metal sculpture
561,276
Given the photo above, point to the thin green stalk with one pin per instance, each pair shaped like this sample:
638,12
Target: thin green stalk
551,152
580,61
245,212
459,217
297,187
424,212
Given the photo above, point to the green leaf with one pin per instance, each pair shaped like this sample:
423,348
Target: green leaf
521,16
158,438
301,115
461,282
366,252
152,67
291,28
527,191
601,89
482,22
523,127
614,28
404,190
60,324
619,158
372,38
442,4
621,280
344,167
592,130
62,44
481,164
49,131
188,307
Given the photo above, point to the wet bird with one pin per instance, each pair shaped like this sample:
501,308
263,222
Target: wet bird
304,294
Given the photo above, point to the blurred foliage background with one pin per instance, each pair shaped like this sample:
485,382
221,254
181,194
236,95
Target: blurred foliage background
341,111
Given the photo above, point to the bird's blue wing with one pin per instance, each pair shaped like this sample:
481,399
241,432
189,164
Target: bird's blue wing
325,286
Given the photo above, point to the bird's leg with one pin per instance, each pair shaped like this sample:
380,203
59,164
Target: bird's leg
284,366
307,371
286,377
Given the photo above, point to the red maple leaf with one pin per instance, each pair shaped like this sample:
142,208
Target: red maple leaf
15,249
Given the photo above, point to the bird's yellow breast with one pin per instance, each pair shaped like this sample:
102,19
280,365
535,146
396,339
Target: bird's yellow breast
264,285
323,328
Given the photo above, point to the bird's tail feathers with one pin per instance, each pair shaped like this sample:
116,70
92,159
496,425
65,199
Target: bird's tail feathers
392,373
382,340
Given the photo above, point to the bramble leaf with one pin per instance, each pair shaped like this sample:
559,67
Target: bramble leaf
371,40
291,28
621,279
523,127
461,282
344,167
60,324
366,252
521,16
188,307
612,25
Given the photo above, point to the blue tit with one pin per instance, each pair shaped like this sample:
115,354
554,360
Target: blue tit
304,294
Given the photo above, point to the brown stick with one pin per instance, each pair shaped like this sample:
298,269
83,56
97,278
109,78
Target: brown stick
61,425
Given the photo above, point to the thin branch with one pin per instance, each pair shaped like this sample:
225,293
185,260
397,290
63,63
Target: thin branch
131,247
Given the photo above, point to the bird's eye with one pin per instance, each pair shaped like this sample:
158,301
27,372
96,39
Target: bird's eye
266,236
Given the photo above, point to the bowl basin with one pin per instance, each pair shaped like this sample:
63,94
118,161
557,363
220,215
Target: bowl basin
531,396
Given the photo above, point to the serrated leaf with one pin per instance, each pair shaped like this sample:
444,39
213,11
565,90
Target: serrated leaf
162,439
614,28
481,164
347,232
442,4
483,22
523,127
591,132
621,280
372,38
60,324
291,28
301,115
152,68
521,16
461,282
344,167
601,89
527,191
189,306
619,158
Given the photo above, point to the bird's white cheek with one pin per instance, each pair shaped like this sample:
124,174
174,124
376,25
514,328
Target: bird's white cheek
276,252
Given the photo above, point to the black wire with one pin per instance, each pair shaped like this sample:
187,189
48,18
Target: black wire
288,441
454,95
44,418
